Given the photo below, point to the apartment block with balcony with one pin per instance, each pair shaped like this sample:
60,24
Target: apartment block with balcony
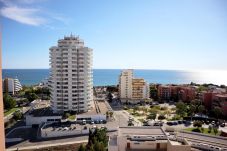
71,75
132,89
11,86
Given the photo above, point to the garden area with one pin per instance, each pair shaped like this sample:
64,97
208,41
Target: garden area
197,127
151,112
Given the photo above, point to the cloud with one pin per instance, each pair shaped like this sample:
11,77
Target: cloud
23,11
23,15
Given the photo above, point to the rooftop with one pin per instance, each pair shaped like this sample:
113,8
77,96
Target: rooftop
43,112
142,130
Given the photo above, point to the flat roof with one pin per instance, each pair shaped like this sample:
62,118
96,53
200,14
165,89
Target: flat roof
43,112
175,142
142,130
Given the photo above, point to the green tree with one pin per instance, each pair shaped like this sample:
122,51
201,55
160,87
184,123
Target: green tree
209,128
197,124
111,114
110,97
161,117
202,129
152,116
215,129
217,111
17,115
82,148
181,109
9,102
192,109
201,109
31,96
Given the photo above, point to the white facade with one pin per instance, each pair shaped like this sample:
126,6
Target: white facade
125,84
71,80
11,85
17,85
37,120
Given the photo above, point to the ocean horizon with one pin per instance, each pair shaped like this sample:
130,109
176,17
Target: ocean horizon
103,77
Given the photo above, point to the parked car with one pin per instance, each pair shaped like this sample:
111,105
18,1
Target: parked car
179,122
222,125
169,123
175,123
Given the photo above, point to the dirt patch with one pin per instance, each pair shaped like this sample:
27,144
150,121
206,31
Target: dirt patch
71,147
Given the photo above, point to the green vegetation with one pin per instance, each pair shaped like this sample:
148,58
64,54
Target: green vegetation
97,140
181,109
72,117
154,92
204,131
9,102
31,93
11,111
17,115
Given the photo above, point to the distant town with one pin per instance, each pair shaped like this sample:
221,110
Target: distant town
66,112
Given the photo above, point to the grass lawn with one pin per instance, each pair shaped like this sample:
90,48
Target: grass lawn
72,117
205,131
11,111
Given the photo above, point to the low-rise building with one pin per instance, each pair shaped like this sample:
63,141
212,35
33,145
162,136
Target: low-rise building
170,92
38,116
146,139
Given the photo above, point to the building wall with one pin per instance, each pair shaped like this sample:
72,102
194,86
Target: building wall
71,80
2,130
30,120
132,89
220,100
125,84
143,145
8,84
171,147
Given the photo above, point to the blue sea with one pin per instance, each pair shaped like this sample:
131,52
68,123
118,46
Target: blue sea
110,76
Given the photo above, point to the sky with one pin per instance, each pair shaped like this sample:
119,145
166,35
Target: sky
135,34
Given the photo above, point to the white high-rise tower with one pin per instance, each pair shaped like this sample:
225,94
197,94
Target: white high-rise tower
71,80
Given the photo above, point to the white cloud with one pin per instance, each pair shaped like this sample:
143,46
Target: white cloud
23,15
23,11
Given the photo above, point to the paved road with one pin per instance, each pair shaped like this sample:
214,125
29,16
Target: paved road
204,139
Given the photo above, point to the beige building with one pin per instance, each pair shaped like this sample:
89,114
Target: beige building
132,89
145,139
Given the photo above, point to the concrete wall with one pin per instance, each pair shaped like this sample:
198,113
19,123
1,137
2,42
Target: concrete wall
171,147
93,117
56,133
30,120
143,145
2,129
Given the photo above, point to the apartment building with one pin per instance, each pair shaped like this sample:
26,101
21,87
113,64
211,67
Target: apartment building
71,75
220,100
132,89
125,84
183,93
164,92
11,86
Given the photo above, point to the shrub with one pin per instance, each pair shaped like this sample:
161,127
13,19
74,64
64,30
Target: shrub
197,124
161,117
196,130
